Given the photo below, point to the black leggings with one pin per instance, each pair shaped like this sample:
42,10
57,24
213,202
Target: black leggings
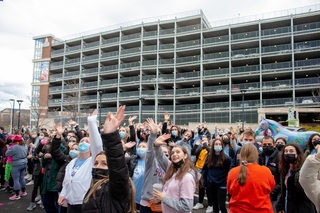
2,174
37,183
30,166
218,199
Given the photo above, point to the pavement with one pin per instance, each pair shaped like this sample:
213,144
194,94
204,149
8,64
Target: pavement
19,206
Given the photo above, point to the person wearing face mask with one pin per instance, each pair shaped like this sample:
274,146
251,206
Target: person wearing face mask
136,167
270,158
174,130
229,146
180,180
215,172
293,198
77,178
280,142
185,141
111,190
201,153
313,141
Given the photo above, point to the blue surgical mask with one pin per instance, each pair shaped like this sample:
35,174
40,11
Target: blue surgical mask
244,142
174,132
40,137
68,137
84,147
73,153
122,134
218,148
141,152
260,149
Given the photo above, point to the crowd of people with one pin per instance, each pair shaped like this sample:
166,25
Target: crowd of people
149,167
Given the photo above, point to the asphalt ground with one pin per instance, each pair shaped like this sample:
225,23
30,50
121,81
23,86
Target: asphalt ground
19,206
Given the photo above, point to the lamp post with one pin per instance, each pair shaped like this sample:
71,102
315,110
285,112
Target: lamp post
243,92
19,102
100,97
140,113
12,115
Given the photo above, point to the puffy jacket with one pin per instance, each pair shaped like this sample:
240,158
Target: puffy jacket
114,195
131,163
61,158
297,200
273,165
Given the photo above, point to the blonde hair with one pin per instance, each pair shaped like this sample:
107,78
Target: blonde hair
248,154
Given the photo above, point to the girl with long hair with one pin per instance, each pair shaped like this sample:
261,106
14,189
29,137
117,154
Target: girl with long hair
293,198
313,141
77,179
111,189
250,184
215,172
179,181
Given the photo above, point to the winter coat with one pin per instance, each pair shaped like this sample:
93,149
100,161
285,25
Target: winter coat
114,195
273,165
297,200
62,160
131,164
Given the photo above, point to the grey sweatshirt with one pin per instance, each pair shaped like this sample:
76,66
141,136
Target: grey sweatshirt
153,172
18,154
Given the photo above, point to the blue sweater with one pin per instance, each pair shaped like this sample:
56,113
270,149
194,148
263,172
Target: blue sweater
216,176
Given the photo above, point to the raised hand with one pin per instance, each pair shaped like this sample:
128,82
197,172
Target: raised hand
166,116
59,129
153,126
95,112
131,119
72,123
198,142
161,140
128,145
113,121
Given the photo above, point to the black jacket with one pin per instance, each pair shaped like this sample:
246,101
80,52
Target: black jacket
131,163
62,159
196,150
273,165
165,131
297,200
114,195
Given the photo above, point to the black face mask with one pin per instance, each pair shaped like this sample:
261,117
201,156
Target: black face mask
99,173
316,142
268,150
290,158
279,147
226,141
179,164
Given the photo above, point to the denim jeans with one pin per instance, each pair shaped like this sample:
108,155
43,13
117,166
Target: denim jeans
50,202
17,173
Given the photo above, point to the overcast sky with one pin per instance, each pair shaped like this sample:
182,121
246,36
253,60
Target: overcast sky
20,20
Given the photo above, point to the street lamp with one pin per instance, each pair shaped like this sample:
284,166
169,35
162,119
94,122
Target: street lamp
19,102
12,115
242,92
100,97
140,113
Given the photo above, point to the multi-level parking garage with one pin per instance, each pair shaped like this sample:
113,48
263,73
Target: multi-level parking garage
196,72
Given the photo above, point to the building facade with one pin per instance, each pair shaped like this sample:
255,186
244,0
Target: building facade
193,69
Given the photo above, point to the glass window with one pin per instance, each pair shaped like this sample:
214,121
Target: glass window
36,72
38,49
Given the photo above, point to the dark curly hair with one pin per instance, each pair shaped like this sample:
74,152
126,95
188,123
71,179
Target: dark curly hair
310,145
284,166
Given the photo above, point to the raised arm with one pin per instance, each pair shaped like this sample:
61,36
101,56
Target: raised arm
94,135
118,172
56,153
162,159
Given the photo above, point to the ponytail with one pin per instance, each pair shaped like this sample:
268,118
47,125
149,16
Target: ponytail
132,208
243,173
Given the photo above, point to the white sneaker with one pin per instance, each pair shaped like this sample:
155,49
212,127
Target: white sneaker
30,178
209,209
37,198
39,202
30,183
198,206
27,176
